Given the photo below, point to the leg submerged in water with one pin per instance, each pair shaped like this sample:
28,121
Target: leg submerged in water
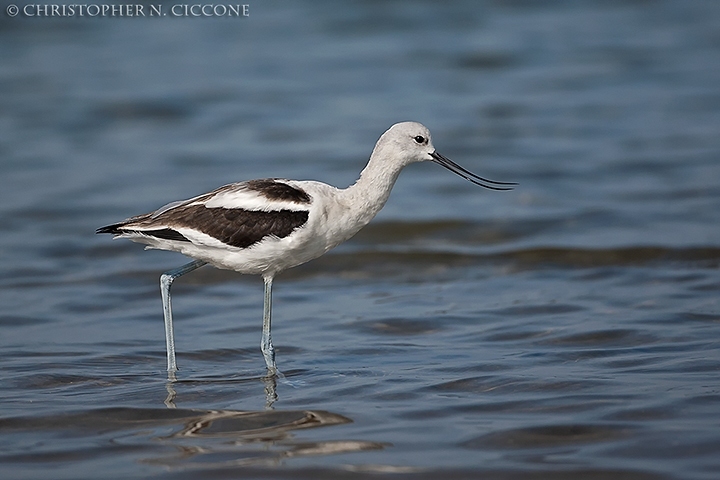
166,280
266,343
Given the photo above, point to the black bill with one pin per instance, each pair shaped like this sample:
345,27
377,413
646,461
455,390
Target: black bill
468,175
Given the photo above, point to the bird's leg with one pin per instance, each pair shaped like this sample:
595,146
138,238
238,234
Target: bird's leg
166,280
266,344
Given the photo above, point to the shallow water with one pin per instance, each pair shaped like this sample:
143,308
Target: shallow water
567,329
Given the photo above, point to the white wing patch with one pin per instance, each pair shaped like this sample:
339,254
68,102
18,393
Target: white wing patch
247,199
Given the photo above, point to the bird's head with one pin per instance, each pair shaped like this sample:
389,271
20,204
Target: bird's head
410,142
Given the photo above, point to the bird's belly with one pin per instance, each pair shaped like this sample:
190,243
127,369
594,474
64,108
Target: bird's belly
269,256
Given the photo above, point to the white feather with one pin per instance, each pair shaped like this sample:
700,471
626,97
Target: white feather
247,199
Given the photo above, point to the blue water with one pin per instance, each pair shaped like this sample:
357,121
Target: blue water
567,329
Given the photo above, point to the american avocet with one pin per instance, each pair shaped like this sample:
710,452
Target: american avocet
263,227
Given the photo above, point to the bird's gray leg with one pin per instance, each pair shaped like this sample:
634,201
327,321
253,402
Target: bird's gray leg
266,343
166,280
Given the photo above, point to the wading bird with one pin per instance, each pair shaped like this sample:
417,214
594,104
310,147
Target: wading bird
262,227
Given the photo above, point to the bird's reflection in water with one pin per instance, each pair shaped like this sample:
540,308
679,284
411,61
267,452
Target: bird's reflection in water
224,438
270,382
171,393
271,397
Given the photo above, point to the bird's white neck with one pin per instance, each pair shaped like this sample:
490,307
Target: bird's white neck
366,197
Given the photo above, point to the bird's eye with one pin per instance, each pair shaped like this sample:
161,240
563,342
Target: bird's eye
419,139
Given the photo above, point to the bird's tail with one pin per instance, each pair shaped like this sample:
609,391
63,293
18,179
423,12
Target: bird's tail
117,228
113,229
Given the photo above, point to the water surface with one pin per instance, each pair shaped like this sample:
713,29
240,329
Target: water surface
567,329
